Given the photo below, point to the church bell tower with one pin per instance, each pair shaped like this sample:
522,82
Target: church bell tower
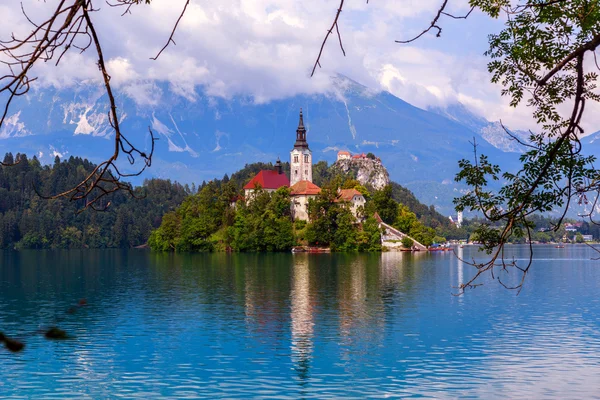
300,156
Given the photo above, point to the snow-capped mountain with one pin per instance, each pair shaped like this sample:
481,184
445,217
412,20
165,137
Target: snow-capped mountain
203,137
493,132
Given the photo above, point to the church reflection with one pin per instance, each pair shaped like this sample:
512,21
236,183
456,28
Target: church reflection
354,297
302,317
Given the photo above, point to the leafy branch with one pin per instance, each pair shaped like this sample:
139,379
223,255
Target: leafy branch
540,58
545,56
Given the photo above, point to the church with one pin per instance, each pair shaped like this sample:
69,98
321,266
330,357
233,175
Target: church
302,189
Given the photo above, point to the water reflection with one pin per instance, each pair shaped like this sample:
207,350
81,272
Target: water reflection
302,318
460,265
282,325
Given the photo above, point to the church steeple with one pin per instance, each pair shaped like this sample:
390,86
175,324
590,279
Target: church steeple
301,134
300,156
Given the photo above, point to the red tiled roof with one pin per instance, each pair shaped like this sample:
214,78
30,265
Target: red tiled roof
343,152
268,179
377,217
348,194
305,188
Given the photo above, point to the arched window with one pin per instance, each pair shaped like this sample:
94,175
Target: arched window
295,159
306,158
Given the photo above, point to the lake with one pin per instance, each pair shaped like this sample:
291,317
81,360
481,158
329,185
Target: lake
297,326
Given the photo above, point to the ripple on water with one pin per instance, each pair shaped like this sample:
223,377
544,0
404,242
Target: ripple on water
303,326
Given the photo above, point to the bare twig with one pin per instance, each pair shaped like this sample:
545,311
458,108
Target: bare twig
329,31
173,31
432,25
71,26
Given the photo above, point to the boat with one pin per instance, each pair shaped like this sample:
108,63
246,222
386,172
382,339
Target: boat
309,249
437,247
559,246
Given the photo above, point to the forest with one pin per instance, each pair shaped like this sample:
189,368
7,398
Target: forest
184,218
28,221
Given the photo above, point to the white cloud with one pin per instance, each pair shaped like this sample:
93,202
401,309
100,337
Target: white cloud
13,127
143,93
265,49
121,70
55,153
218,136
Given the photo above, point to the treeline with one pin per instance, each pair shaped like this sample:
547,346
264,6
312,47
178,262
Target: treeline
204,219
543,230
210,221
29,221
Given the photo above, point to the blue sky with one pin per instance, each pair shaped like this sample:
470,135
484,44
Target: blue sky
265,49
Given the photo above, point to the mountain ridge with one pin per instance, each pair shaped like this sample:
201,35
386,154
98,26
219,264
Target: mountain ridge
201,137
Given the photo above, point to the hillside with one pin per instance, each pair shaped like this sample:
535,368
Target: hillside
202,136
28,221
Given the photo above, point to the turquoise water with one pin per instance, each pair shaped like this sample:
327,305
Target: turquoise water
297,326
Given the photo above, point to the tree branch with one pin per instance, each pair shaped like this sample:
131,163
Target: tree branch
329,31
173,31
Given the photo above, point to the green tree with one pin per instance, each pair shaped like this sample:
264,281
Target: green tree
264,224
345,234
407,242
165,237
385,205
323,212
541,58
369,238
405,219
70,238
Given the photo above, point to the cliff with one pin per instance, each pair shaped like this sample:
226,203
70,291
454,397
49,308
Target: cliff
369,172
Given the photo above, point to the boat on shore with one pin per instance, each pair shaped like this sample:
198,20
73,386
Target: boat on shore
437,247
310,249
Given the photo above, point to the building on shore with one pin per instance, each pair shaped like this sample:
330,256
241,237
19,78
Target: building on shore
301,193
268,180
354,199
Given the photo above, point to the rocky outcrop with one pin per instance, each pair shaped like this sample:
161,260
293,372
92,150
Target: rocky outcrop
369,172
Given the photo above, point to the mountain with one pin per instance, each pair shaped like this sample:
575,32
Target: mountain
203,137
492,132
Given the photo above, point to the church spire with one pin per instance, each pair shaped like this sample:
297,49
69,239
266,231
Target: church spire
301,122
301,134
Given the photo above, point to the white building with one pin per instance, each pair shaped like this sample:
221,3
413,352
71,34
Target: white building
300,156
354,199
301,192
343,155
